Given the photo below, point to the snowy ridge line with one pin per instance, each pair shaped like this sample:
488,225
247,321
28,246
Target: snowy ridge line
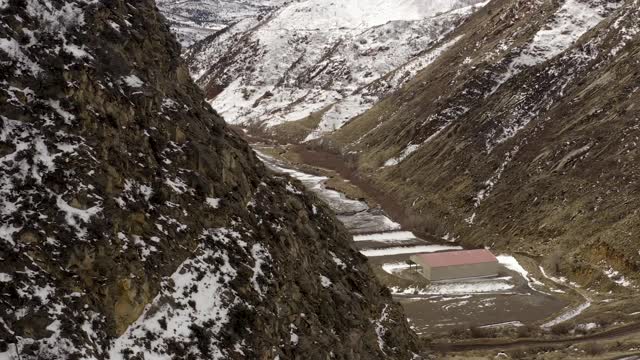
572,20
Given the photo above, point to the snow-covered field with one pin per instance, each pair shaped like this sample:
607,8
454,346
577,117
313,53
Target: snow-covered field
407,250
463,287
567,315
338,201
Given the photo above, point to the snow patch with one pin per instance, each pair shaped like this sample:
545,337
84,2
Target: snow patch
77,218
133,81
573,19
177,185
410,149
388,237
617,278
338,261
381,330
395,267
408,250
325,282
261,257
568,315
213,202
511,263
197,294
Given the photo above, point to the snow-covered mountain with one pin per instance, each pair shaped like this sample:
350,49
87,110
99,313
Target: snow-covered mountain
193,20
320,56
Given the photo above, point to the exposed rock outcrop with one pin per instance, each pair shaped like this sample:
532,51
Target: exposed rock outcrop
133,221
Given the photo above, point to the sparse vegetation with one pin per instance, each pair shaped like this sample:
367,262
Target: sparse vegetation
483,332
562,328
593,348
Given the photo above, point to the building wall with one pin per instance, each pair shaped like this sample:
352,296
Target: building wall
457,271
461,271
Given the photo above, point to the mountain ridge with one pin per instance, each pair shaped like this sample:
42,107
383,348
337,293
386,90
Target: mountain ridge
136,223
500,173
283,68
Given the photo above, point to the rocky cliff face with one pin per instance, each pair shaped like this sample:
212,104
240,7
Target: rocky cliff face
135,224
318,63
523,134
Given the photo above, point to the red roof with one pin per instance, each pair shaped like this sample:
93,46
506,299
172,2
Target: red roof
451,258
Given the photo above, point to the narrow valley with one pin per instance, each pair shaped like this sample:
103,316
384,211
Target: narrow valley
319,179
440,128
522,309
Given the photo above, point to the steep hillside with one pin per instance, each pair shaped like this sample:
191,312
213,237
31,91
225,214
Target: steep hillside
319,57
194,20
523,134
134,224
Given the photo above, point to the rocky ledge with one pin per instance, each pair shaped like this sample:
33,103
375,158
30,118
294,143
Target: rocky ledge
134,223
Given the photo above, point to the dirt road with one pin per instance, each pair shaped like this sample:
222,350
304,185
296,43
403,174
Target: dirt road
611,334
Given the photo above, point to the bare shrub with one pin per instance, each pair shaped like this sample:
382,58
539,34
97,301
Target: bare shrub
593,348
426,223
561,329
480,332
553,262
524,331
458,332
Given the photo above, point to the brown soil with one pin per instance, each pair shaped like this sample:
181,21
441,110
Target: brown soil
302,156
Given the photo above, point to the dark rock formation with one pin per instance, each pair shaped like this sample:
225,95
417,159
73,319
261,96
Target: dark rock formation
133,221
